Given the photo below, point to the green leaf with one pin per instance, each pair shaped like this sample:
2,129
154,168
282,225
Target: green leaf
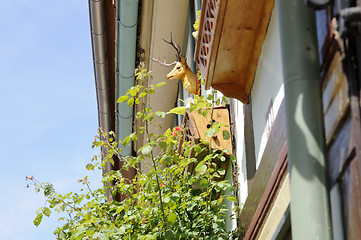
38,219
222,171
220,186
224,186
61,235
130,102
225,100
148,117
122,99
193,107
133,91
233,199
163,145
226,135
121,230
104,236
169,235
201,168
218,101
46,211
199,165
49,191
160,84
133,136
139,115
89,166
166,199
210,132
203,183
175,196
78,234
172,218
146,150
142,94
60,207
197,148
178,110
195,34
232,157
226,150
160,114
167,160
126,141
187,151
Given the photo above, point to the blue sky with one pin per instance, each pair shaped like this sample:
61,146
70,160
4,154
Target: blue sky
48,107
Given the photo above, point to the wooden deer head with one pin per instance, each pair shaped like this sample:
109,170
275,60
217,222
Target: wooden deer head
181,70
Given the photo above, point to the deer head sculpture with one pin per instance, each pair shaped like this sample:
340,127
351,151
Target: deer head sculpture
181,70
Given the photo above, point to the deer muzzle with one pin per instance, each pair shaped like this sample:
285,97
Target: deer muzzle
169,76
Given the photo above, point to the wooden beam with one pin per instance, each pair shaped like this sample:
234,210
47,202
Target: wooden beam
269,195
264,172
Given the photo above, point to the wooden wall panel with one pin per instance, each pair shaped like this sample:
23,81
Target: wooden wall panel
263,215
335,97
338,150
265,169
352,201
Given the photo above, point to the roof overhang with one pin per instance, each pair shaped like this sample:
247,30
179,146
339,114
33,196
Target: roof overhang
230,38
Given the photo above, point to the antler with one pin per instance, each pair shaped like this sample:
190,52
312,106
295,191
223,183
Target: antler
163,63
176,47
178,55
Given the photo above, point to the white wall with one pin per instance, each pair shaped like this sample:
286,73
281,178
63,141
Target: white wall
268,85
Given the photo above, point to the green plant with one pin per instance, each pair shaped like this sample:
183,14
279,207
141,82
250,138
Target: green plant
196,25
167,202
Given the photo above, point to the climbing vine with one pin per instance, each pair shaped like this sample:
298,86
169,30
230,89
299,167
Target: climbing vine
181,196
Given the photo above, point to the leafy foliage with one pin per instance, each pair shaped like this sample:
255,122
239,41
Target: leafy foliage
180,197
196,25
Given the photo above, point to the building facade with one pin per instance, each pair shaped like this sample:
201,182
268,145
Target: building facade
294,88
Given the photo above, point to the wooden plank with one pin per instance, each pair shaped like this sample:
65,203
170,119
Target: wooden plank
352,201
274,183
230,39
220,115
244,30
335,96
265,169
336,109
335,78
338,150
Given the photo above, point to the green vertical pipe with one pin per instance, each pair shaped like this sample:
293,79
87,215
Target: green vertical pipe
127,14
310,209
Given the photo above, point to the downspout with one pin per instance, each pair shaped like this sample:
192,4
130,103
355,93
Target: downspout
310,209
127,18
98,37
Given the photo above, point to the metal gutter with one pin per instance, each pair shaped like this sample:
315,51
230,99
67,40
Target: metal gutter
310,209
126,39
98,38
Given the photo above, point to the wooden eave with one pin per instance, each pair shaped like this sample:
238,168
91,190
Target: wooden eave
230,38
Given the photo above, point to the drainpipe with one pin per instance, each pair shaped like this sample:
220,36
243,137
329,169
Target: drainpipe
310,209
127,17
98,37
